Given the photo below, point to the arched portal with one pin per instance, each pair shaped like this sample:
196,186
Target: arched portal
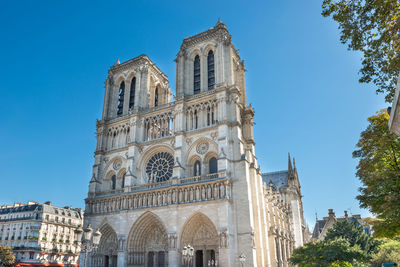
106,254
148,242
200,232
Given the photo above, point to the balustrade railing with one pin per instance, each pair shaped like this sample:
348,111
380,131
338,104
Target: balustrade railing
176,191
163,184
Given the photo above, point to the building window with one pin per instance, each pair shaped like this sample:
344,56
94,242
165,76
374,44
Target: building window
123,181
159,167
113,182
121,99
197,168
132,93
210,70
196,75
156,97
196,120
213,165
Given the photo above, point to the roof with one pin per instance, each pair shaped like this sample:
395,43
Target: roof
24,208
319,225
278,178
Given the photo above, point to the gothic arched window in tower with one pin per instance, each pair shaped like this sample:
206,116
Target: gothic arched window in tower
213,165
156,97
197,168
159,167
208,116
196,120
113,182
196,75
210,70
132,93
121,99
123,181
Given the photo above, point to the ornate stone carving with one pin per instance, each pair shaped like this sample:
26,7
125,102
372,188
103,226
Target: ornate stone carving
223,239
188,141
202,147
172,238
117,164
214,135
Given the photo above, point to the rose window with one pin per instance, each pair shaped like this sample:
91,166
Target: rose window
159,168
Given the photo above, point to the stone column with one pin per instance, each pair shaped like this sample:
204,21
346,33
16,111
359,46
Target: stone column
203,73
173,258
127,94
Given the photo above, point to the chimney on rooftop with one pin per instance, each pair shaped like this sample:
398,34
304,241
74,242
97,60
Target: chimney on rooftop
331,213
345,214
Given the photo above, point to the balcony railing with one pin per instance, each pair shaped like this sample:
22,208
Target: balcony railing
210,187
164,184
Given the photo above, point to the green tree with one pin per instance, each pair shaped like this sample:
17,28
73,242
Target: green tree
373,28
336,252
389,251
354,233
6,256
378,151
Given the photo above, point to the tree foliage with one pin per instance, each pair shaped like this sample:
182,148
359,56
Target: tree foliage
337,252
6,256
389,251
373,28
354,233
378,151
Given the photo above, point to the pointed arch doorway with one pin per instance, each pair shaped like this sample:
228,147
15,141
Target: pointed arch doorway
107,253
200,232
148,242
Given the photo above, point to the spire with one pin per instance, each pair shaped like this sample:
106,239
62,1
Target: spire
117,63
289,164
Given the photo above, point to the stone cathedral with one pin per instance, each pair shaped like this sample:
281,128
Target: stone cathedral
175,172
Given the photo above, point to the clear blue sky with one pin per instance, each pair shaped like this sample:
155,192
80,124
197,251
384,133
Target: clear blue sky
54,59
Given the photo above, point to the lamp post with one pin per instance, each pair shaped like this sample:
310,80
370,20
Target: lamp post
187,255
242,259
90,240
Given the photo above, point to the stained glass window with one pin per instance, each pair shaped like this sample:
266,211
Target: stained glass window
159,168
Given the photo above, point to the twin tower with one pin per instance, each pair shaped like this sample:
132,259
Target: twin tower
169,174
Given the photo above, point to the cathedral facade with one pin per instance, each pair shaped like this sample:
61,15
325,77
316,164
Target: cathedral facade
169,173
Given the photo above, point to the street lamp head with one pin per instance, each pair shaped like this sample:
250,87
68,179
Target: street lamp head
184,251
78,232
88,233
191,251
96,237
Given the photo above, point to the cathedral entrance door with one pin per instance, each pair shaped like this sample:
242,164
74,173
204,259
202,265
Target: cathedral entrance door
161,259
114,261
106,259
199,258
150,259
